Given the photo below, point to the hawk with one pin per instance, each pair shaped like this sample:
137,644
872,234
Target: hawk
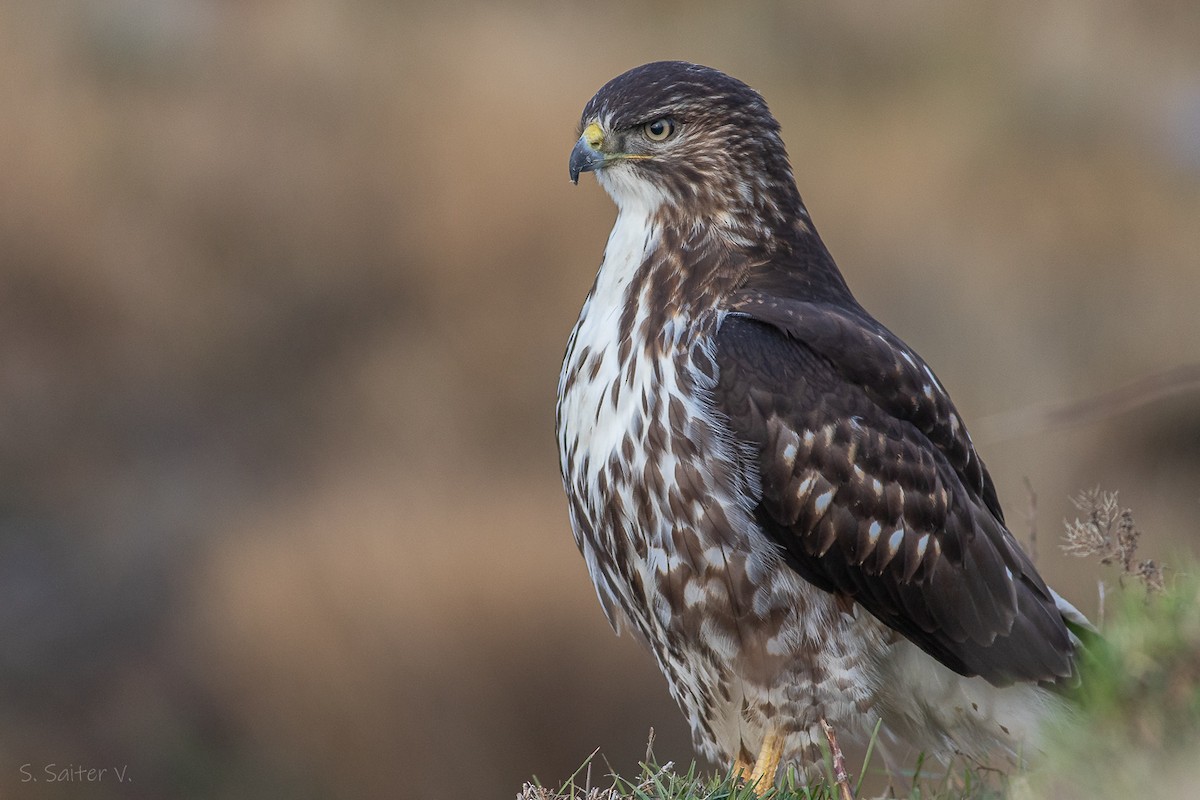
768,486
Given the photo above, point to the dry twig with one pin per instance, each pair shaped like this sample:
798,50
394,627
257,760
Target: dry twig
1031,519
1108,531
839,762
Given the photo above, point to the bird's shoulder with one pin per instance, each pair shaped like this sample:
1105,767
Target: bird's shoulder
862,355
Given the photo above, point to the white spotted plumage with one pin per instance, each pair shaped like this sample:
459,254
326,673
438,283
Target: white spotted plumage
772,601
728,713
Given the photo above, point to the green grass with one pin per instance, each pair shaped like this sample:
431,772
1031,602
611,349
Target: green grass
663,782
1139,722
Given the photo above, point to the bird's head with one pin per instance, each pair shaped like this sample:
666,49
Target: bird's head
680,134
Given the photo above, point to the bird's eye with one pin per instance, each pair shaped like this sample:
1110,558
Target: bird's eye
659,130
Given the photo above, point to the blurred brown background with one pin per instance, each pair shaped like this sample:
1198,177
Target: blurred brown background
284,288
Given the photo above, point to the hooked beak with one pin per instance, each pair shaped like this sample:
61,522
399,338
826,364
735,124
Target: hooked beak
584,159
586,155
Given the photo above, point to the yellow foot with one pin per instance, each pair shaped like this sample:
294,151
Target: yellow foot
742,768
762,775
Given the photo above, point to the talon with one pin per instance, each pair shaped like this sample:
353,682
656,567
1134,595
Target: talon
742,768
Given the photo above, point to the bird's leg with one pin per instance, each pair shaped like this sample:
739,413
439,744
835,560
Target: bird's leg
742,767
762,776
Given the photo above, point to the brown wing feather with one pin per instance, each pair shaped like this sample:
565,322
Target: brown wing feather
873,489
894,376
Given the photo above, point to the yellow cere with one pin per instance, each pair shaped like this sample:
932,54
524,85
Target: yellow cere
594,136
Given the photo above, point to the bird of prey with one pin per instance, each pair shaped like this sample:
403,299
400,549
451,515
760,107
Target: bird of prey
768,486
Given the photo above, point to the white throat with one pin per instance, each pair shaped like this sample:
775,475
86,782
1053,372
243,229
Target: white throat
630,191
635,234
